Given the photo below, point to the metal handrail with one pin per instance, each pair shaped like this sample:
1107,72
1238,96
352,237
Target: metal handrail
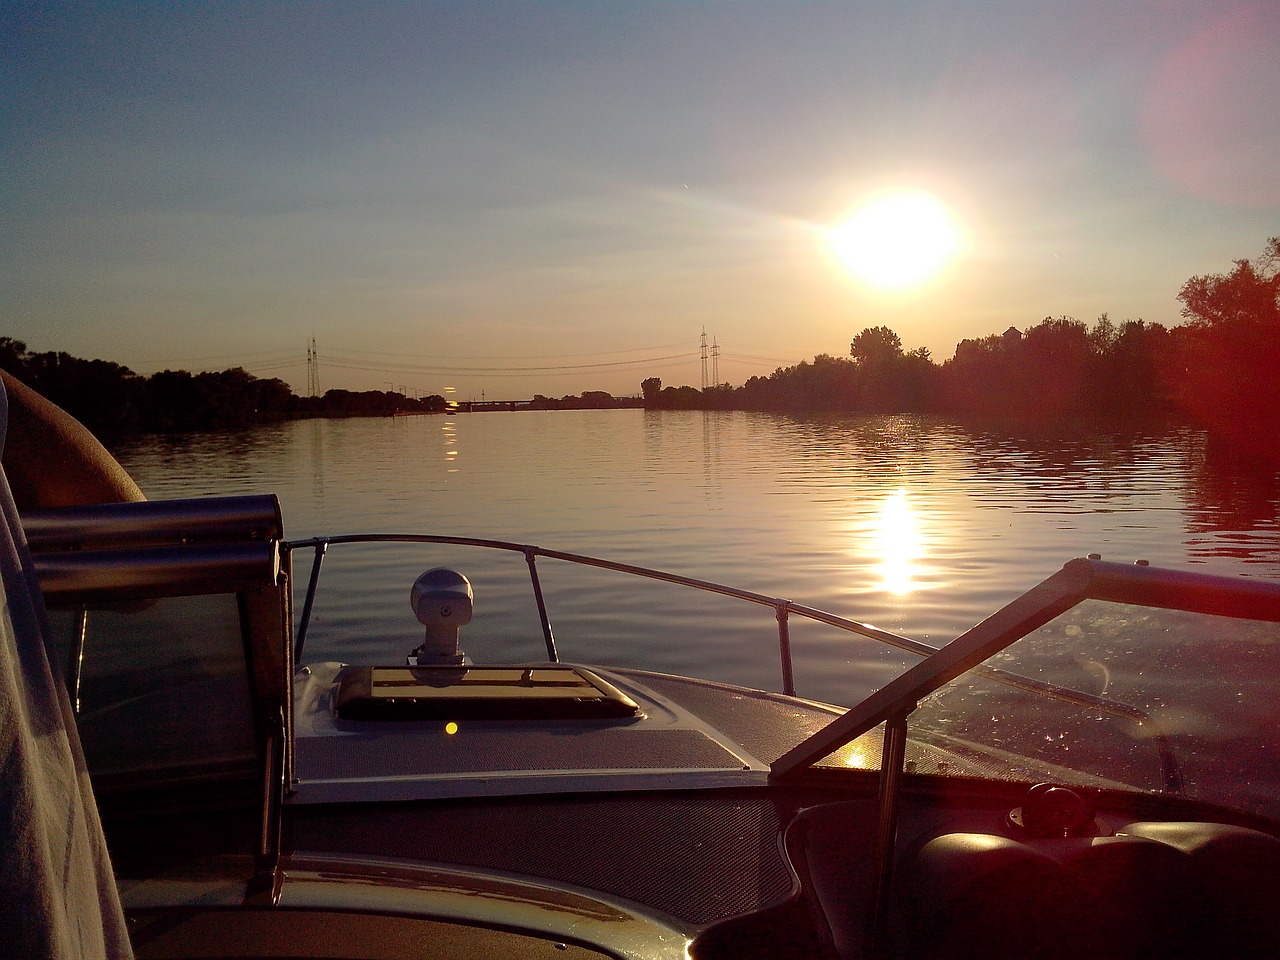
783,609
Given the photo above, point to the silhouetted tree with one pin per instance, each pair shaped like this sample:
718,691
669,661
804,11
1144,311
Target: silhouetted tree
105,396
917,381
982,378
1124,378
1247,298
1226,357
680,398
887,379
1037,375
1054,358
13,356
651,387
875,345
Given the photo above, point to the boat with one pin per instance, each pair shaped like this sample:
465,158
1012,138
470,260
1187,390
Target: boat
427,802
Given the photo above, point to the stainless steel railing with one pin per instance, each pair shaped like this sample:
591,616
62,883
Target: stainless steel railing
783,610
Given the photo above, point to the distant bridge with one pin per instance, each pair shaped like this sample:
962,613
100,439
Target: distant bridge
545,403
479,406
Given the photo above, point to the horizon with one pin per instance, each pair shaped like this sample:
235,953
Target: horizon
482,395
561,198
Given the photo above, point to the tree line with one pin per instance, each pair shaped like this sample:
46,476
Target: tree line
1219,369
113,401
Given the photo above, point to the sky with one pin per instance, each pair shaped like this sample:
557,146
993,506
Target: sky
520,198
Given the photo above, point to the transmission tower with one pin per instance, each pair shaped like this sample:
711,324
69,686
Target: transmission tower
313,369
703,355
715,363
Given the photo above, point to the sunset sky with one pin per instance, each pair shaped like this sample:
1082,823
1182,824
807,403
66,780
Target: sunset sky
522,198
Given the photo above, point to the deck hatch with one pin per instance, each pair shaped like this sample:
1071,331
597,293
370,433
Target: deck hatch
544,692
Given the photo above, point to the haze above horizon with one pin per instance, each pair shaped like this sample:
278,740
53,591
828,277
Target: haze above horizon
518,198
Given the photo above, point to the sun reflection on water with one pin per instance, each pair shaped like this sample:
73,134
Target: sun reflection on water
450,434
899,543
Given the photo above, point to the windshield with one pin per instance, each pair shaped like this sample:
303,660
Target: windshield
1169,685
1103,675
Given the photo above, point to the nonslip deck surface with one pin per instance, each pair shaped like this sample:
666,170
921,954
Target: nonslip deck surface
698,857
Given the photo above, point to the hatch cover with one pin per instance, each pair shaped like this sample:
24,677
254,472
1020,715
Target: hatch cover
544,692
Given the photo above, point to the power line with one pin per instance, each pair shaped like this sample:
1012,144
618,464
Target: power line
275,359
211,356
708,355
267,367
550,356
356,363
745,358
267,363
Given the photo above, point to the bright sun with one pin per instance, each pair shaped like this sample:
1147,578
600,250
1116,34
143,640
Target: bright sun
896,241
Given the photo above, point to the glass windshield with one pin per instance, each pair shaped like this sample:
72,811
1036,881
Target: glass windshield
1167,696
1105,675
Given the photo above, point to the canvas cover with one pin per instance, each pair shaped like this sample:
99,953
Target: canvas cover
57,892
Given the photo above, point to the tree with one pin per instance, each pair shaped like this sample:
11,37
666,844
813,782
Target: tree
1032,376
1224,361
1247,297
1124,374
875,345
983,377
13,356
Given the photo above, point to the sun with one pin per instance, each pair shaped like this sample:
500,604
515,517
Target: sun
896,241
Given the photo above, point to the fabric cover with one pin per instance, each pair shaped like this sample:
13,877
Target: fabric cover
57,894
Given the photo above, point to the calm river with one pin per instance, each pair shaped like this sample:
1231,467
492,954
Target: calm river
918,526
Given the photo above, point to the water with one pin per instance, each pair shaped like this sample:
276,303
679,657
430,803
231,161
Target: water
916,525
